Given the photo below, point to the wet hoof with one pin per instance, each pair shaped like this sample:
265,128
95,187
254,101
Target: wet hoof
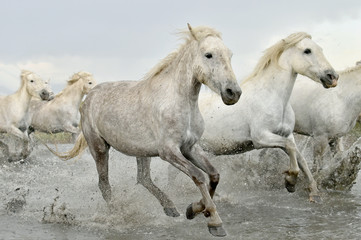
171,212
189,213
217,231
290,187
315,199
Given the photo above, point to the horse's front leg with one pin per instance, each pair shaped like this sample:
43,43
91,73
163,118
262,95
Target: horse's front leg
144,178
173,155
336,145
320,146
314,195
200,159
16,132
271,140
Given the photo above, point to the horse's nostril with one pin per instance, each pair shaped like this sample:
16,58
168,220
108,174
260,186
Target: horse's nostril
330,76
229,92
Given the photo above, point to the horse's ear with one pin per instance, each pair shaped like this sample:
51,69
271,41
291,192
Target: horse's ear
191,31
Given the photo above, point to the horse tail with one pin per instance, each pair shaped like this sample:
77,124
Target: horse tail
79,147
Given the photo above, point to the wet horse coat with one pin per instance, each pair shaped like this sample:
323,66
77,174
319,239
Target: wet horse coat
159,116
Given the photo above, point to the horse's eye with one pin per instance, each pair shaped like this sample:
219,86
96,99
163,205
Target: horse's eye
90,82
31,80
307,51
208,55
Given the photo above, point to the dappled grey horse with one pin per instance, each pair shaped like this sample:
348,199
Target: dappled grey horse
159,116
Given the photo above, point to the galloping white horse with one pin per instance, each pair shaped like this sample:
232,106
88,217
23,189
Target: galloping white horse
159,116
263,118
62,113
327,115
14,107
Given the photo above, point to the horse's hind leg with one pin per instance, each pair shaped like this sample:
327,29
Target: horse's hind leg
143,177
99,149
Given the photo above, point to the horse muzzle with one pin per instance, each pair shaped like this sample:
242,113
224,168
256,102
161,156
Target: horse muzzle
44,94
231,95
329,80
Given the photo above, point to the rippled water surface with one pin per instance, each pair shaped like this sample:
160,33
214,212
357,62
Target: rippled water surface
46,198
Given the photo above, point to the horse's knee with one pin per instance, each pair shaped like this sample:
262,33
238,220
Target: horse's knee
198,178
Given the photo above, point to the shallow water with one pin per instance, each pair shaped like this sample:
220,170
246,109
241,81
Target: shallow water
46,198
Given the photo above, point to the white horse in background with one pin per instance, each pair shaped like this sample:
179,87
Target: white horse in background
14,107
263,117
159,116
62,113
327,115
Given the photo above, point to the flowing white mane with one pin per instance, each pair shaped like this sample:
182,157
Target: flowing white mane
351,69
189,35
24,74
78,76
273,53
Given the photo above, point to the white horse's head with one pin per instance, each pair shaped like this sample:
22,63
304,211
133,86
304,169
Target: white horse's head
212,64
35,86
307,58
86,79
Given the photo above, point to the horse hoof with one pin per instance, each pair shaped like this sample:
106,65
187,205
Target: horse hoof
189,213
171,212
290,187
217,231
315,199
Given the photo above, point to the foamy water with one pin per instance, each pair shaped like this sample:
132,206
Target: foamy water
47,198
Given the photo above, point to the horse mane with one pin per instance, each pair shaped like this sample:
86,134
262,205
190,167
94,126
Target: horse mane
273,53
73,79
189,35
23,75
351,69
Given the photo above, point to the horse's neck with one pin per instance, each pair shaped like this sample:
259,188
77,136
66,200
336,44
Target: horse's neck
179,78
278,80
23,98
73,94
349,90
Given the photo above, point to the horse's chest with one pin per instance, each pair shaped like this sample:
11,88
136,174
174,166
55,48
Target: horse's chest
193,129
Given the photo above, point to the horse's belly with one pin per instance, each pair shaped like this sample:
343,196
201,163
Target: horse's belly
140,145
136,150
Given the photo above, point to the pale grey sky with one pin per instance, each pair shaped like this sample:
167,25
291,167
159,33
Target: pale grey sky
118,40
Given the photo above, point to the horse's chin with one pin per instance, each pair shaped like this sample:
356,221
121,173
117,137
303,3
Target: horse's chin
328,84
229,101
